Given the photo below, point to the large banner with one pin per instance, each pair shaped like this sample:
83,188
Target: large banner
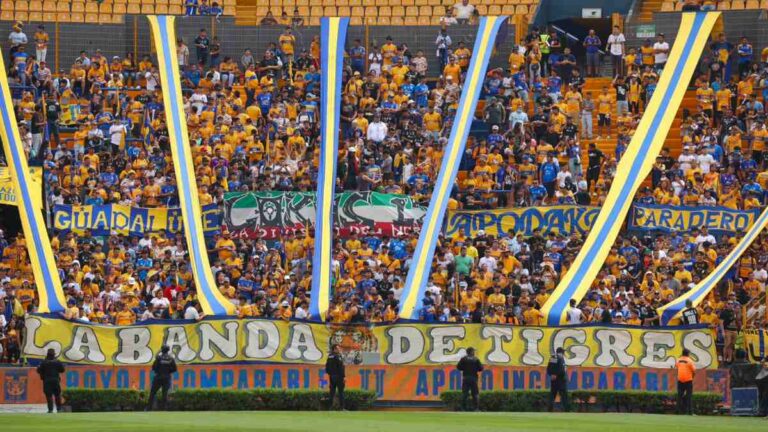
232,340
754,343
719,220
126,220
268,214
391,383
8,191
564,219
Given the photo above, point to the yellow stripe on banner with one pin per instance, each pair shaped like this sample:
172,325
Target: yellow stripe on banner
329,159
212,299
595,249
472,86
47,282
697,295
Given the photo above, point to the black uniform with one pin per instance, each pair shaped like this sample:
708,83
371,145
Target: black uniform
50,372
163,367
558,382
470,367
334,367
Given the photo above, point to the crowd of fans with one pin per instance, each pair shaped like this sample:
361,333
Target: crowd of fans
99,131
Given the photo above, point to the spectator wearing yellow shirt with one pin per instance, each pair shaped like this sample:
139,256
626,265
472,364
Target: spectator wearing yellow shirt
463,55
287,43
604,102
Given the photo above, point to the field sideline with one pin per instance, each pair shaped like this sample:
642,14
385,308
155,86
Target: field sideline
389,421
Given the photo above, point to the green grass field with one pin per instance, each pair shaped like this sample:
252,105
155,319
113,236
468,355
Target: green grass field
386,421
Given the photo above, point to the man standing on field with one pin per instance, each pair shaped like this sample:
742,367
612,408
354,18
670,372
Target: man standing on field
686,370
470,367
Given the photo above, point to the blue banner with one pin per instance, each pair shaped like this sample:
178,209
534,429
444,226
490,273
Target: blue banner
719,220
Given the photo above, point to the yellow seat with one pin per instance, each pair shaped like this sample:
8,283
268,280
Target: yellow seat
229,10
303,10
426,10
763,4
667,6
261,11
22,16
105,18
434,2
521,10
35,16
78,7
7,6
752,4
356,21
91,18
316,11
6,15
371,11
409,11
392,2
494,10
355,2
161,9
105,9
77,17
49,16
91,7
21,5
482,9
62,7
343,11
35,6
397,20
342,2
118,8
302,2
385,11
175,10
424,21
723,5
357,11
49,6
508,9
118,19
314,21
134,9
737,5
411,21
384,20
421,2
63,17
408,3
369,2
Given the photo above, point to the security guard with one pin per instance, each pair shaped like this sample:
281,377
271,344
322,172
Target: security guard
558,380
686,370
50,371
163,367
470,367
334,367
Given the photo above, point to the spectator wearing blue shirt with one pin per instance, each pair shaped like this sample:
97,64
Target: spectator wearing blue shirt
592,43
548,175
357,56
554,86
537,192
745,52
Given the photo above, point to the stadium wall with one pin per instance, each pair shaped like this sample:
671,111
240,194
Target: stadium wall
391,383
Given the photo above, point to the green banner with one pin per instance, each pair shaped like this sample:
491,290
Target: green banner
267,214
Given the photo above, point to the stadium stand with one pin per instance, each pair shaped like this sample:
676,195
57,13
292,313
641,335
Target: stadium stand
96,125
252,12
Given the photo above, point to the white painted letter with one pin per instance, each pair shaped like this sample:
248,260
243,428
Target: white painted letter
406,344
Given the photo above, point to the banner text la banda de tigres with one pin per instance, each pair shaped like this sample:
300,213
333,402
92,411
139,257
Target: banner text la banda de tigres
232,340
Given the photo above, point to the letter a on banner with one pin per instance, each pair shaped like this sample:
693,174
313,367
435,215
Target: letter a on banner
672,310
333,33
418,273
636,163
38,243
211,299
